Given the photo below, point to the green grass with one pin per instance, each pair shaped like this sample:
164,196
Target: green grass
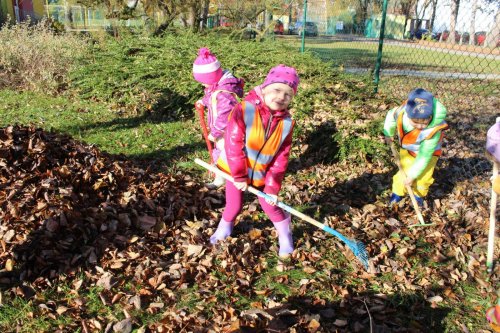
364,55
470,301
105,116
141,137
17,315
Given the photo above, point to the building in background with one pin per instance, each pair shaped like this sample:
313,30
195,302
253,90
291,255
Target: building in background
20,10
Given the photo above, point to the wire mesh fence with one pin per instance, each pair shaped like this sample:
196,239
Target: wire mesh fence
451,44
433,42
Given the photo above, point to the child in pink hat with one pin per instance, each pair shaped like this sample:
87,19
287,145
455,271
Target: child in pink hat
221,95
258,140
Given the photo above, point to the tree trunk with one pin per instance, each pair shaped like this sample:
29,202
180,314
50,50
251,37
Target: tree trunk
406,24
204,16
494,34
193,19
453,21
433,15
364,15
472,29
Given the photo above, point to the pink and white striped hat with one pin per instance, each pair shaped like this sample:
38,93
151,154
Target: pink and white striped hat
206,68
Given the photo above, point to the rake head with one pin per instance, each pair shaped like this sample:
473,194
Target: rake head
359,251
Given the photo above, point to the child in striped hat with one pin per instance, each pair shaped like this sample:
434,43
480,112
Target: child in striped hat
221,94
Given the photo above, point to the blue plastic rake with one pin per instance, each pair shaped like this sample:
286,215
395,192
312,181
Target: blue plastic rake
358,248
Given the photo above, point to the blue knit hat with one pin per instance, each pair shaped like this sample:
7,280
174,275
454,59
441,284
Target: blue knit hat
420,104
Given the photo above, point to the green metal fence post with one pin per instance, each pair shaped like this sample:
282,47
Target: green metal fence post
302,48
380,46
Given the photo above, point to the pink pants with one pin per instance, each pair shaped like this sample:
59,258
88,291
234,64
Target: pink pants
234,203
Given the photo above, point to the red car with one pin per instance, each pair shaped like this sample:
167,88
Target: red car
479,37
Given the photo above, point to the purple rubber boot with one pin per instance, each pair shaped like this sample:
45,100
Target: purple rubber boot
285,236
223,231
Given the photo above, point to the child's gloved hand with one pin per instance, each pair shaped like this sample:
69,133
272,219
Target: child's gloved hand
273,201
496,184
211,137
242,186
199,104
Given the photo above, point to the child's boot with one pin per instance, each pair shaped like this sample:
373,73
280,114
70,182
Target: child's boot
394,199
284,236
420,201
223,231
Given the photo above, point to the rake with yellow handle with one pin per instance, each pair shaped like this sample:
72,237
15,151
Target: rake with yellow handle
493,209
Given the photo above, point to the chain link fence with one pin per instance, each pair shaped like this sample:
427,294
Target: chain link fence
446,45
452,44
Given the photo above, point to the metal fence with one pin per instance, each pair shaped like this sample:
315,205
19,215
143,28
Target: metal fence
429,42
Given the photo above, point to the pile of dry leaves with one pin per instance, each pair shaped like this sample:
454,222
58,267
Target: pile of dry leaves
72,215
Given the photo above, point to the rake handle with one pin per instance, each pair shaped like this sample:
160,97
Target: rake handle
491,232
395,154
280,204
357,248
201,114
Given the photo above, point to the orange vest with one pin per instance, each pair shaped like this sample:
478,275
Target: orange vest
260,147
412,139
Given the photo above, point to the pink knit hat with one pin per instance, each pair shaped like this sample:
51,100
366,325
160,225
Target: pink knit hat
493,140
282,74
206,67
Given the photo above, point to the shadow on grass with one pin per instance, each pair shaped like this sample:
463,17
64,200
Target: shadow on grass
166,158
453,170
355,192
368,187
170,107
321,147
368,312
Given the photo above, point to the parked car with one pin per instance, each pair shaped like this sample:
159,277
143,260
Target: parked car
310,30
422,33
479,38
444,33
458,36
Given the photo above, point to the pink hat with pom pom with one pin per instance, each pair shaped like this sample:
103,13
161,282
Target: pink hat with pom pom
206,67
283,74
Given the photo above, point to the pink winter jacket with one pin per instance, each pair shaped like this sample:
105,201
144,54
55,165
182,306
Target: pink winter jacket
235,143
225,102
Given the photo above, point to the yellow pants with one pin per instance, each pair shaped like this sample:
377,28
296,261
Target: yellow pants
421,184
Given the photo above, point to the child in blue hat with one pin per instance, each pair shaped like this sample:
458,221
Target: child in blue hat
419,124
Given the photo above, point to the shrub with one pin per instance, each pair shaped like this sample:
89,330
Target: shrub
138,73
33,57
